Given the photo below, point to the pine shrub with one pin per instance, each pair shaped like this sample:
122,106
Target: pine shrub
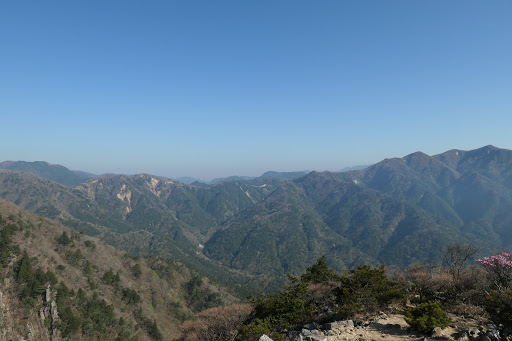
366,290
426,317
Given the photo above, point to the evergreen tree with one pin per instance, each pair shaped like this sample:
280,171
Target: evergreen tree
25,273
319,273
136,270
64,239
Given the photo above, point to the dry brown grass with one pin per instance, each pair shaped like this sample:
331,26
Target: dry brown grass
216,324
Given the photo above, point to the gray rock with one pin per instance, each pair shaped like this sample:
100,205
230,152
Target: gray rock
437,332
264,338
315,338
48,294
473,332
55,318
490,336
330,326
311,326
314,332
41,316
347,323
294,336
338,325
493,332
361,323
485,337
462,336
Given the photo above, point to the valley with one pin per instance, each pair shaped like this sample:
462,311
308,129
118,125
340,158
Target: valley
253,232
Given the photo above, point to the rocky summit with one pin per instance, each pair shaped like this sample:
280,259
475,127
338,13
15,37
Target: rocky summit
391,326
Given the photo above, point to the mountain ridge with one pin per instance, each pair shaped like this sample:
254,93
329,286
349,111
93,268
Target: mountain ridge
53,172
394,212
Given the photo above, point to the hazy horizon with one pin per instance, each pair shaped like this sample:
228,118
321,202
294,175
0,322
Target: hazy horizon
206,178
225,175
213,89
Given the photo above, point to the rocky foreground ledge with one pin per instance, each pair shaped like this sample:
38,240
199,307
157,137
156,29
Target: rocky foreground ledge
388,327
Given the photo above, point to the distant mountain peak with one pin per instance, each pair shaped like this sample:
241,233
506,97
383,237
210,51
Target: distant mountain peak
489,147
418,154
353,168
49,171
284,175
231,178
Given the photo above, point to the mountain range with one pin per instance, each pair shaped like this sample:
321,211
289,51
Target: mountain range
53,172
269,174
254,231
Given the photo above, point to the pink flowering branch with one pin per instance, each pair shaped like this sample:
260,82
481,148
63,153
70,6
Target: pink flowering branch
500,267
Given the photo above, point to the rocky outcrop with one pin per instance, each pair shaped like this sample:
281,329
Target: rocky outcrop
5,324
55,316
48,294
393,327
33,327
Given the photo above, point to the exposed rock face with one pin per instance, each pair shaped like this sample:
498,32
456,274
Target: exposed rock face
5,325
55,318
33,330
48,294
2,306
33,334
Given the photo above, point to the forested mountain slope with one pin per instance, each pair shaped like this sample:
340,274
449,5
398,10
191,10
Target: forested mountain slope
56,282
398,211
143,214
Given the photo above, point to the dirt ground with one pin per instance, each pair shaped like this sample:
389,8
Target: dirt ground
388,327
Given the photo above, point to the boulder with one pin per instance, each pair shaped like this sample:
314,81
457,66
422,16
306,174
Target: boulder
264,338
473,332
437,332
312,326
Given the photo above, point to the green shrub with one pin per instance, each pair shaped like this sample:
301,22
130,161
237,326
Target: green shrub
70,324
285,309
321,293
319,273
74,258
136,270
499,306
64,239
426,317
366,290
90,244
131,296
253,331
110,279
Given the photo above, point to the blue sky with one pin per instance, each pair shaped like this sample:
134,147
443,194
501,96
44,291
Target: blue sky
216,88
